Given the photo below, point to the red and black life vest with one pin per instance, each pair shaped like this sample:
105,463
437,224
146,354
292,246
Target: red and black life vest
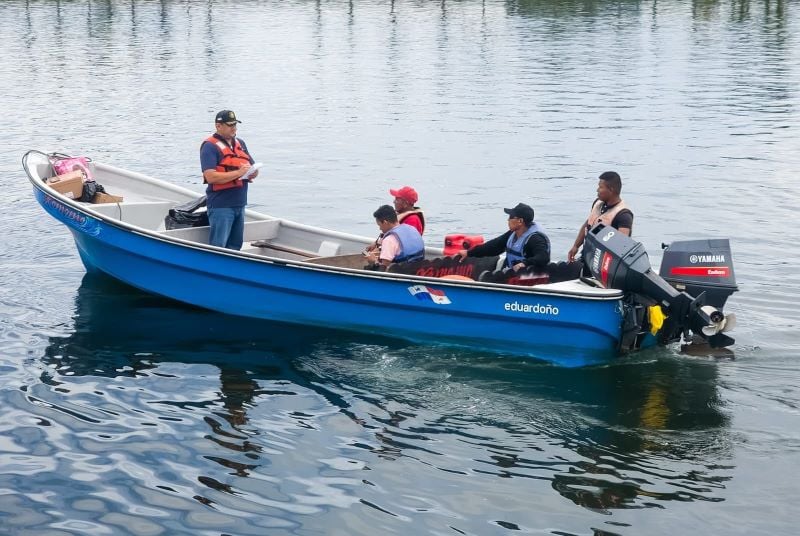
233,157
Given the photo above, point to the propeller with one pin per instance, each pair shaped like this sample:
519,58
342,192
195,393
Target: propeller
718,323
730,322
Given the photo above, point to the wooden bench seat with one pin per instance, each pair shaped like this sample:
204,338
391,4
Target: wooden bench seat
253,230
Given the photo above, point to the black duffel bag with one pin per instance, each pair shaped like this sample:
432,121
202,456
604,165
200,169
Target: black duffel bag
187,215
90,189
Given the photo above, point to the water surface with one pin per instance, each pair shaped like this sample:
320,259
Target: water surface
124,413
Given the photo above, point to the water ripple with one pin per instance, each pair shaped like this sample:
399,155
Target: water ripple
128,414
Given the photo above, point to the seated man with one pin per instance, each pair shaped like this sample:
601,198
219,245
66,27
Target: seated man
400,243
525,243
405,199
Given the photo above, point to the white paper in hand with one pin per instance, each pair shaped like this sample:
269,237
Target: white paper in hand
255,167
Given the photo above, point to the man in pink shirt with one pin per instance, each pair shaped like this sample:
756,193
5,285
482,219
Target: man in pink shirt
404,200
400,242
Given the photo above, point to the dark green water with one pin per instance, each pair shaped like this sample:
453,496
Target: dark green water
123,413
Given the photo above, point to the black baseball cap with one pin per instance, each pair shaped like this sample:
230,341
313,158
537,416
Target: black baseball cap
226,116
520,211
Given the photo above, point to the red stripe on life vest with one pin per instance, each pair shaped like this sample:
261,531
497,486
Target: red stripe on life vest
701,271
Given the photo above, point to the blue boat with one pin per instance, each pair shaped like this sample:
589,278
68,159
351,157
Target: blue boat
299,274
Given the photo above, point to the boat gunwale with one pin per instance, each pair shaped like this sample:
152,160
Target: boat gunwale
84,208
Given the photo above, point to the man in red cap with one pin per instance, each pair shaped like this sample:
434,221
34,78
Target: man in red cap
405,199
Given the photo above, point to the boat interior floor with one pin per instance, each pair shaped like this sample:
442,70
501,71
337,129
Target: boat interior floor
261,237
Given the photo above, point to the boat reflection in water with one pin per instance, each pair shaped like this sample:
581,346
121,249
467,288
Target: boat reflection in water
122,331
633,434
663,438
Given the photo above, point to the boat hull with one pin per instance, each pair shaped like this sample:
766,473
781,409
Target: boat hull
571,331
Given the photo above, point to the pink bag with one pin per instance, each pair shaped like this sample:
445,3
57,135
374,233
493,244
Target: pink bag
64,164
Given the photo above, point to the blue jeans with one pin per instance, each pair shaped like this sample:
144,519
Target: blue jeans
226,227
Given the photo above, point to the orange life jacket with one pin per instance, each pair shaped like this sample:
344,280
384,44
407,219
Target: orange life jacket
232,158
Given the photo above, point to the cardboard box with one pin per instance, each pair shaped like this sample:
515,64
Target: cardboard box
101,197
70,184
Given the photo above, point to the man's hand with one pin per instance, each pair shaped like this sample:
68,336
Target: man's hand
372,257
572,252
519,266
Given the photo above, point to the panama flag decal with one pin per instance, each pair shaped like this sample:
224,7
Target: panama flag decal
424,293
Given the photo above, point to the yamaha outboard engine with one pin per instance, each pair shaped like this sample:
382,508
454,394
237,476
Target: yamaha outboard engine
617,261
698,266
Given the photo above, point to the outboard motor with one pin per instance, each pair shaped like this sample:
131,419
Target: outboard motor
698,266
617,261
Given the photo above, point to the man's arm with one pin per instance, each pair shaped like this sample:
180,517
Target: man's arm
212,176
623,222
209,159
578,242
390,247
536,253
495,246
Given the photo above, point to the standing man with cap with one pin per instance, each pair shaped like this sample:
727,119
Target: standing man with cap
525,243
608,209
224,159
405,199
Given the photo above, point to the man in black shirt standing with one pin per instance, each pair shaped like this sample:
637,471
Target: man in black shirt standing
608,209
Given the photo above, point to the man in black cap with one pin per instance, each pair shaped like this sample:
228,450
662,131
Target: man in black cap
525,243
224,159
